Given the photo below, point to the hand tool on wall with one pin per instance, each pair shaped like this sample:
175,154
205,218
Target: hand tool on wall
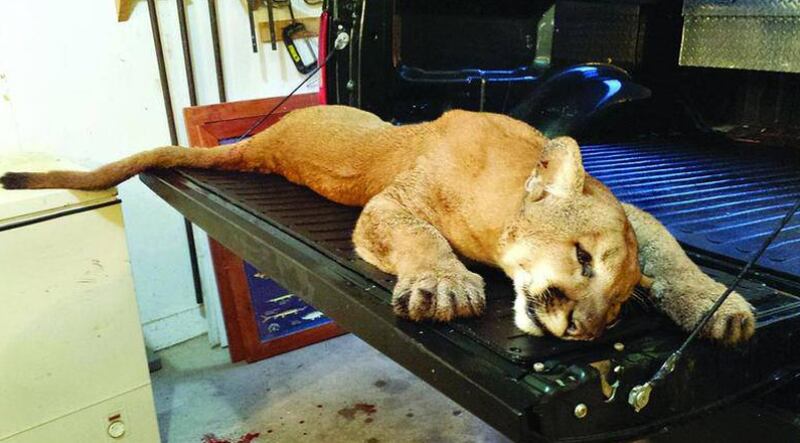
294,30
271,19
250,9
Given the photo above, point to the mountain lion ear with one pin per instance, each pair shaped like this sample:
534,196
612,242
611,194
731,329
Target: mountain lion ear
534,187
562,167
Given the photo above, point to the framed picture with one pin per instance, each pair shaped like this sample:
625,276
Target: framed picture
262,319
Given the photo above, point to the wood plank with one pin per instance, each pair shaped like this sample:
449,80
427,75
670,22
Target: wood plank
231,280
311,23
124,9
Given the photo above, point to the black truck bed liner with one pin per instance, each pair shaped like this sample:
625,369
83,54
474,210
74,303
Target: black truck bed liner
720,198
303,242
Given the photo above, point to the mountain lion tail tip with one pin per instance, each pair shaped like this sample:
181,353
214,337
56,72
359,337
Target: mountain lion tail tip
15,180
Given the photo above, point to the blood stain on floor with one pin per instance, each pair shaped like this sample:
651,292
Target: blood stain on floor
350,413
246,438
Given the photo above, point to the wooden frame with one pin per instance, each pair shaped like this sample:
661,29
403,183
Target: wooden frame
208,126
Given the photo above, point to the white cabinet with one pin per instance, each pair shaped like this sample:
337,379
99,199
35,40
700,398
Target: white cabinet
72,359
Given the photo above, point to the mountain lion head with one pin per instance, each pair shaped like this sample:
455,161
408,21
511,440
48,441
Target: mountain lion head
571,251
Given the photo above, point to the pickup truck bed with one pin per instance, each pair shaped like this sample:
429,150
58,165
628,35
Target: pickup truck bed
303,241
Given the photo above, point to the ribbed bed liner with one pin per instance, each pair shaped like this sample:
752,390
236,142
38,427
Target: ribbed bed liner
328,227
722,199
697,194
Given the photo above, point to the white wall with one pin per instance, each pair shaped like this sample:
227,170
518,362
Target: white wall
76,83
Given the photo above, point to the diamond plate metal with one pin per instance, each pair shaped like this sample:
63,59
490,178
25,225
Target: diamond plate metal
763,43
586,32
742,7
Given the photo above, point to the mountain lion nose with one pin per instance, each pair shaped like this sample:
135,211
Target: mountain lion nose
579,330
572,330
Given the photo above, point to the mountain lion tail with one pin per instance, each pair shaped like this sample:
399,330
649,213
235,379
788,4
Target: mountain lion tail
223,157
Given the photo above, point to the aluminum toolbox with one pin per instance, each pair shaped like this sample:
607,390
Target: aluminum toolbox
746,34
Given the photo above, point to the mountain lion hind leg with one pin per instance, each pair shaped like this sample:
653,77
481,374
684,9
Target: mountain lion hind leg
681,289
431,282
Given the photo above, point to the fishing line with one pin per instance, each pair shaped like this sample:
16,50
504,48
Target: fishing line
340,43
640,394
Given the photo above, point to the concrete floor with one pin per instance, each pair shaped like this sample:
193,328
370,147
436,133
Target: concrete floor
340,390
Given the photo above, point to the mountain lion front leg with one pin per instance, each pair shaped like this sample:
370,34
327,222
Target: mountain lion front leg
681,289
431,282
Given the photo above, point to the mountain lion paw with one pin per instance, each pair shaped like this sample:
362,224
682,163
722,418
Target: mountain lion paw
440,294
689,299
733,323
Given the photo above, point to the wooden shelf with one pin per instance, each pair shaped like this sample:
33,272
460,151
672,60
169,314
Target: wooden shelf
308,16
311,23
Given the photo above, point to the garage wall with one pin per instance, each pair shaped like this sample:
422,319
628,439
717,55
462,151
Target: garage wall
76,83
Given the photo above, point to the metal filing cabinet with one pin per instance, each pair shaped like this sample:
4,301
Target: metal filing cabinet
72,358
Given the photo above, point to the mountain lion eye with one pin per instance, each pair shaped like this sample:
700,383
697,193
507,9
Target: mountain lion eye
585,260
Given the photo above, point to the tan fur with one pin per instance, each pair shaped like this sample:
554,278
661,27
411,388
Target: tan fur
484,185
681,289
